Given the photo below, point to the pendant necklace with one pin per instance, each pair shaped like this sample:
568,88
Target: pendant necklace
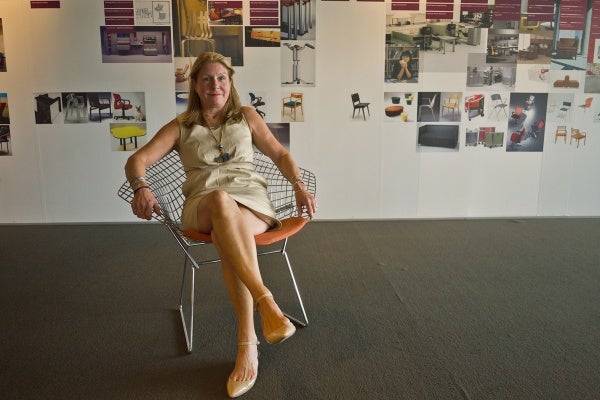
224,156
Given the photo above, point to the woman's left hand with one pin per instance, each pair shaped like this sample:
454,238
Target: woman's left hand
305,201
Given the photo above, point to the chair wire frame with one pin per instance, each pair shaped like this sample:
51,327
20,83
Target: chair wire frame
165,178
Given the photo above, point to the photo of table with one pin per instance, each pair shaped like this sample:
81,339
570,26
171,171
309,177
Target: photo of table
131,132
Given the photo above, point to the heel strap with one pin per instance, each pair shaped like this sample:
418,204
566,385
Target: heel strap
261,298
249,343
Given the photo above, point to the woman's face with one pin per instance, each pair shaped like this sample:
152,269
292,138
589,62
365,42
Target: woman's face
213,86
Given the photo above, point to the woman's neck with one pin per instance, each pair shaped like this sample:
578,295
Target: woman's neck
213,118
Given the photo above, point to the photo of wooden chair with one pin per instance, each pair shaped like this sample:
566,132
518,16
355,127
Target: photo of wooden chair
577,135
561,131
293,102
452,103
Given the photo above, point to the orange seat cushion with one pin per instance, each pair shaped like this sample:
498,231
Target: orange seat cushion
289,227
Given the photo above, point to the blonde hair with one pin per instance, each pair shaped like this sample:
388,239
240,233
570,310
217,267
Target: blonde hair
193,113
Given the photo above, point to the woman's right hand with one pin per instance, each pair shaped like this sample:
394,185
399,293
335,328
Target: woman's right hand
144,203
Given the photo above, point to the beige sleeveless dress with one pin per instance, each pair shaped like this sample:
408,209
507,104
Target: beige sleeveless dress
198,150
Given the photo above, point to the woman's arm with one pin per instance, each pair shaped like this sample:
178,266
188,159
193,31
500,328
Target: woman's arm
144,202
264,140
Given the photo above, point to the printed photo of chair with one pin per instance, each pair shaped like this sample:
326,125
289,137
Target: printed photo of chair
517,137
499,104
427,103
578,135
564,110
517,117
5,138
561,131
358,105
587,105
166,176
75,108
293,102
256,102
99,101
123,105
452,103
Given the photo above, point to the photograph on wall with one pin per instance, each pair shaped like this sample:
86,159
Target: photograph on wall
181,100
100,106
257,100
483,136
428,109
502,46
2,51
436,137
127,136
136,44
182,71
360,108
298,63
194,35
74,105
527,122
5,146
400,106
474,106
497,106
128,125
405,35
262,36
4,109
298,20
451,106
225,12
490,76
535,47
292,107
566,80
47,107
560,107
281,131
152,12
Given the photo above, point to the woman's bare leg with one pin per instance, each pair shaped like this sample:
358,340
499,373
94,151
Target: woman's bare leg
232,228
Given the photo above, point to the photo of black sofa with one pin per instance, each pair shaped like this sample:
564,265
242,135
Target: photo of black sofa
438,136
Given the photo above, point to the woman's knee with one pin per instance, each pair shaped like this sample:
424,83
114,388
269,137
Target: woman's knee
221,203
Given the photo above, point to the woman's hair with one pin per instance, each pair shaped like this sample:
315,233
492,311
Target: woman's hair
193,113
406,53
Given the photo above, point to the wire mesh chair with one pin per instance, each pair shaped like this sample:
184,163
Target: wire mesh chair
166,176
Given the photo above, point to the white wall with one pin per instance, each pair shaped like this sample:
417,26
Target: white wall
365,169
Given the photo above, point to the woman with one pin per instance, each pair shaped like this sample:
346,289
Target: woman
404,74
225,197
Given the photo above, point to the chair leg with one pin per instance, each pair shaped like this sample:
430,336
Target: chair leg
294,319
188,332
283,252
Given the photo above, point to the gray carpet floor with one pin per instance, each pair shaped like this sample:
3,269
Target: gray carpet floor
435,309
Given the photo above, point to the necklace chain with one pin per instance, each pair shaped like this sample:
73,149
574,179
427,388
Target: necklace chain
224,156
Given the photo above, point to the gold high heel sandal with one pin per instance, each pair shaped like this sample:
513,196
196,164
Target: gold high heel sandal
280,334
238,388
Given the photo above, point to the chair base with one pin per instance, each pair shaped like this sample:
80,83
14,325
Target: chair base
188,323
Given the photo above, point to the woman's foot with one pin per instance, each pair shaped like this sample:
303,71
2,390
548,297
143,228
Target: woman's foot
245,372
276,326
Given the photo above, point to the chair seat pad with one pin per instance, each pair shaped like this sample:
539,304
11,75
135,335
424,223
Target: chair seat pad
292,103
289,227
